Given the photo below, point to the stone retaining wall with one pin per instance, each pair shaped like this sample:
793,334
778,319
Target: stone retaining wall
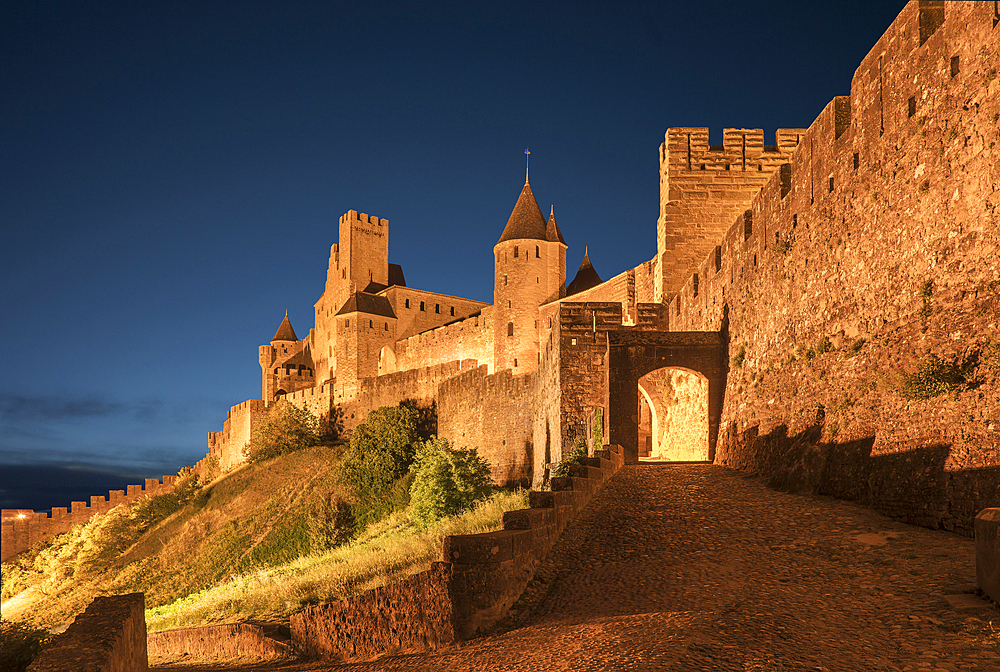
464,596
109,636
232,641
988,552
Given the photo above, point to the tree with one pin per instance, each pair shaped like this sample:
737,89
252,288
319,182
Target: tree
285,429
380,452
447,480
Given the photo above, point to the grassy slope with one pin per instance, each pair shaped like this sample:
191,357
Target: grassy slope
241,552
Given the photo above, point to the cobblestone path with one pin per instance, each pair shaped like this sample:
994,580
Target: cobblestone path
698,567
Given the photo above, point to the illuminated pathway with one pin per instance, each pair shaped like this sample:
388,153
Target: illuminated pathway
697,567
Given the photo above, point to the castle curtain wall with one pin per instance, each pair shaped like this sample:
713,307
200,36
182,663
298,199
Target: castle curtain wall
882,236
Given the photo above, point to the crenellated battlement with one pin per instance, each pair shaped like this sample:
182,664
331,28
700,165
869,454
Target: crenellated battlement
362,219
23,528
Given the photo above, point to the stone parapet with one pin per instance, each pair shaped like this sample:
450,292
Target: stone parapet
109,636
481,577
988,552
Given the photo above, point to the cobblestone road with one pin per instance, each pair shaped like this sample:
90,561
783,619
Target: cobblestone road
698,567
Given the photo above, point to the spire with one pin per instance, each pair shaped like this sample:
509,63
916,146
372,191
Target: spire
585,278
527,157
526,220
285,331
552,232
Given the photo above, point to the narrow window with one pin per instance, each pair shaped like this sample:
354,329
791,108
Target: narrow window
515,251
386,327
747,225
795,221
437,308
536,324
727,166
694,282
422,305
911,106
510,328
536,281
718,258
505,281
538,253
407,303
275,372
343,273
347,323
515,362
954,65
572,341
371,324
550,322
453,311
857,161
508,303
831,183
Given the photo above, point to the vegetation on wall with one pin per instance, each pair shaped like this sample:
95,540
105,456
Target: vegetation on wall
285,429
574,458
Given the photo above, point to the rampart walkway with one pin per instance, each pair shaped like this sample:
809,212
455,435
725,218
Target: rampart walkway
696,567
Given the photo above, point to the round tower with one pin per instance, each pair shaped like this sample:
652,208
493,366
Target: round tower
530,270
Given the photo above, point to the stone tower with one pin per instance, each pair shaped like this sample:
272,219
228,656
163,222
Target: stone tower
530,270
358,259
286,365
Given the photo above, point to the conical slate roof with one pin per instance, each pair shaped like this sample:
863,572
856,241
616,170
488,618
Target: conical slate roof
585,278
552,232
526,221
285,331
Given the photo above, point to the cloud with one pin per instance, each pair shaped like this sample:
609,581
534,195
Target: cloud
19,409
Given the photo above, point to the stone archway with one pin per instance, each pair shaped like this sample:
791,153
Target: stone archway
633,354
673,415
386,360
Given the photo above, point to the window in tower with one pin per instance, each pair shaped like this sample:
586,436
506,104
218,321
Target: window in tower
370,324
505,281
515,362
453,311
510,328
386,327
508,303
343,273
421,305
437,308
407,303
536,280
538,253
515,251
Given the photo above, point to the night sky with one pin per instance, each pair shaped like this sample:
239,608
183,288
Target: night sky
172,173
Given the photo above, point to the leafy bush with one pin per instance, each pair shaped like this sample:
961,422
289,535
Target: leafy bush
855,348
447,480
20,644
331,522
381,452
572,459
285,429
824,346
152,510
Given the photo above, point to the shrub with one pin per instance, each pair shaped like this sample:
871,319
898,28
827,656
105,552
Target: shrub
285,429
152,510
381,451
855,348
447,480
574,458
331,523
824,346
20,644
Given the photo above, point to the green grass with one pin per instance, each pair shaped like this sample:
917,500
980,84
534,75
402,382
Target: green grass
387,552
239,549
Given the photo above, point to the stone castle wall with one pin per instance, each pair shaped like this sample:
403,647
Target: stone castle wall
227,446
471,338
493,413
876,247
24,528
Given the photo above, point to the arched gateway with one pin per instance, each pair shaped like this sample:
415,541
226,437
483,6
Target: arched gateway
633,354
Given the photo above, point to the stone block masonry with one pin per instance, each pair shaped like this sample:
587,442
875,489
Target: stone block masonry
862,282
23,528
988,553
109,636
481,576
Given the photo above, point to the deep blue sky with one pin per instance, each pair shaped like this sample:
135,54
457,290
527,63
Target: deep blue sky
171,175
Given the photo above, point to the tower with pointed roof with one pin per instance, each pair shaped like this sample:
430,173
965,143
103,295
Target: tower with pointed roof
529,270
286,364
